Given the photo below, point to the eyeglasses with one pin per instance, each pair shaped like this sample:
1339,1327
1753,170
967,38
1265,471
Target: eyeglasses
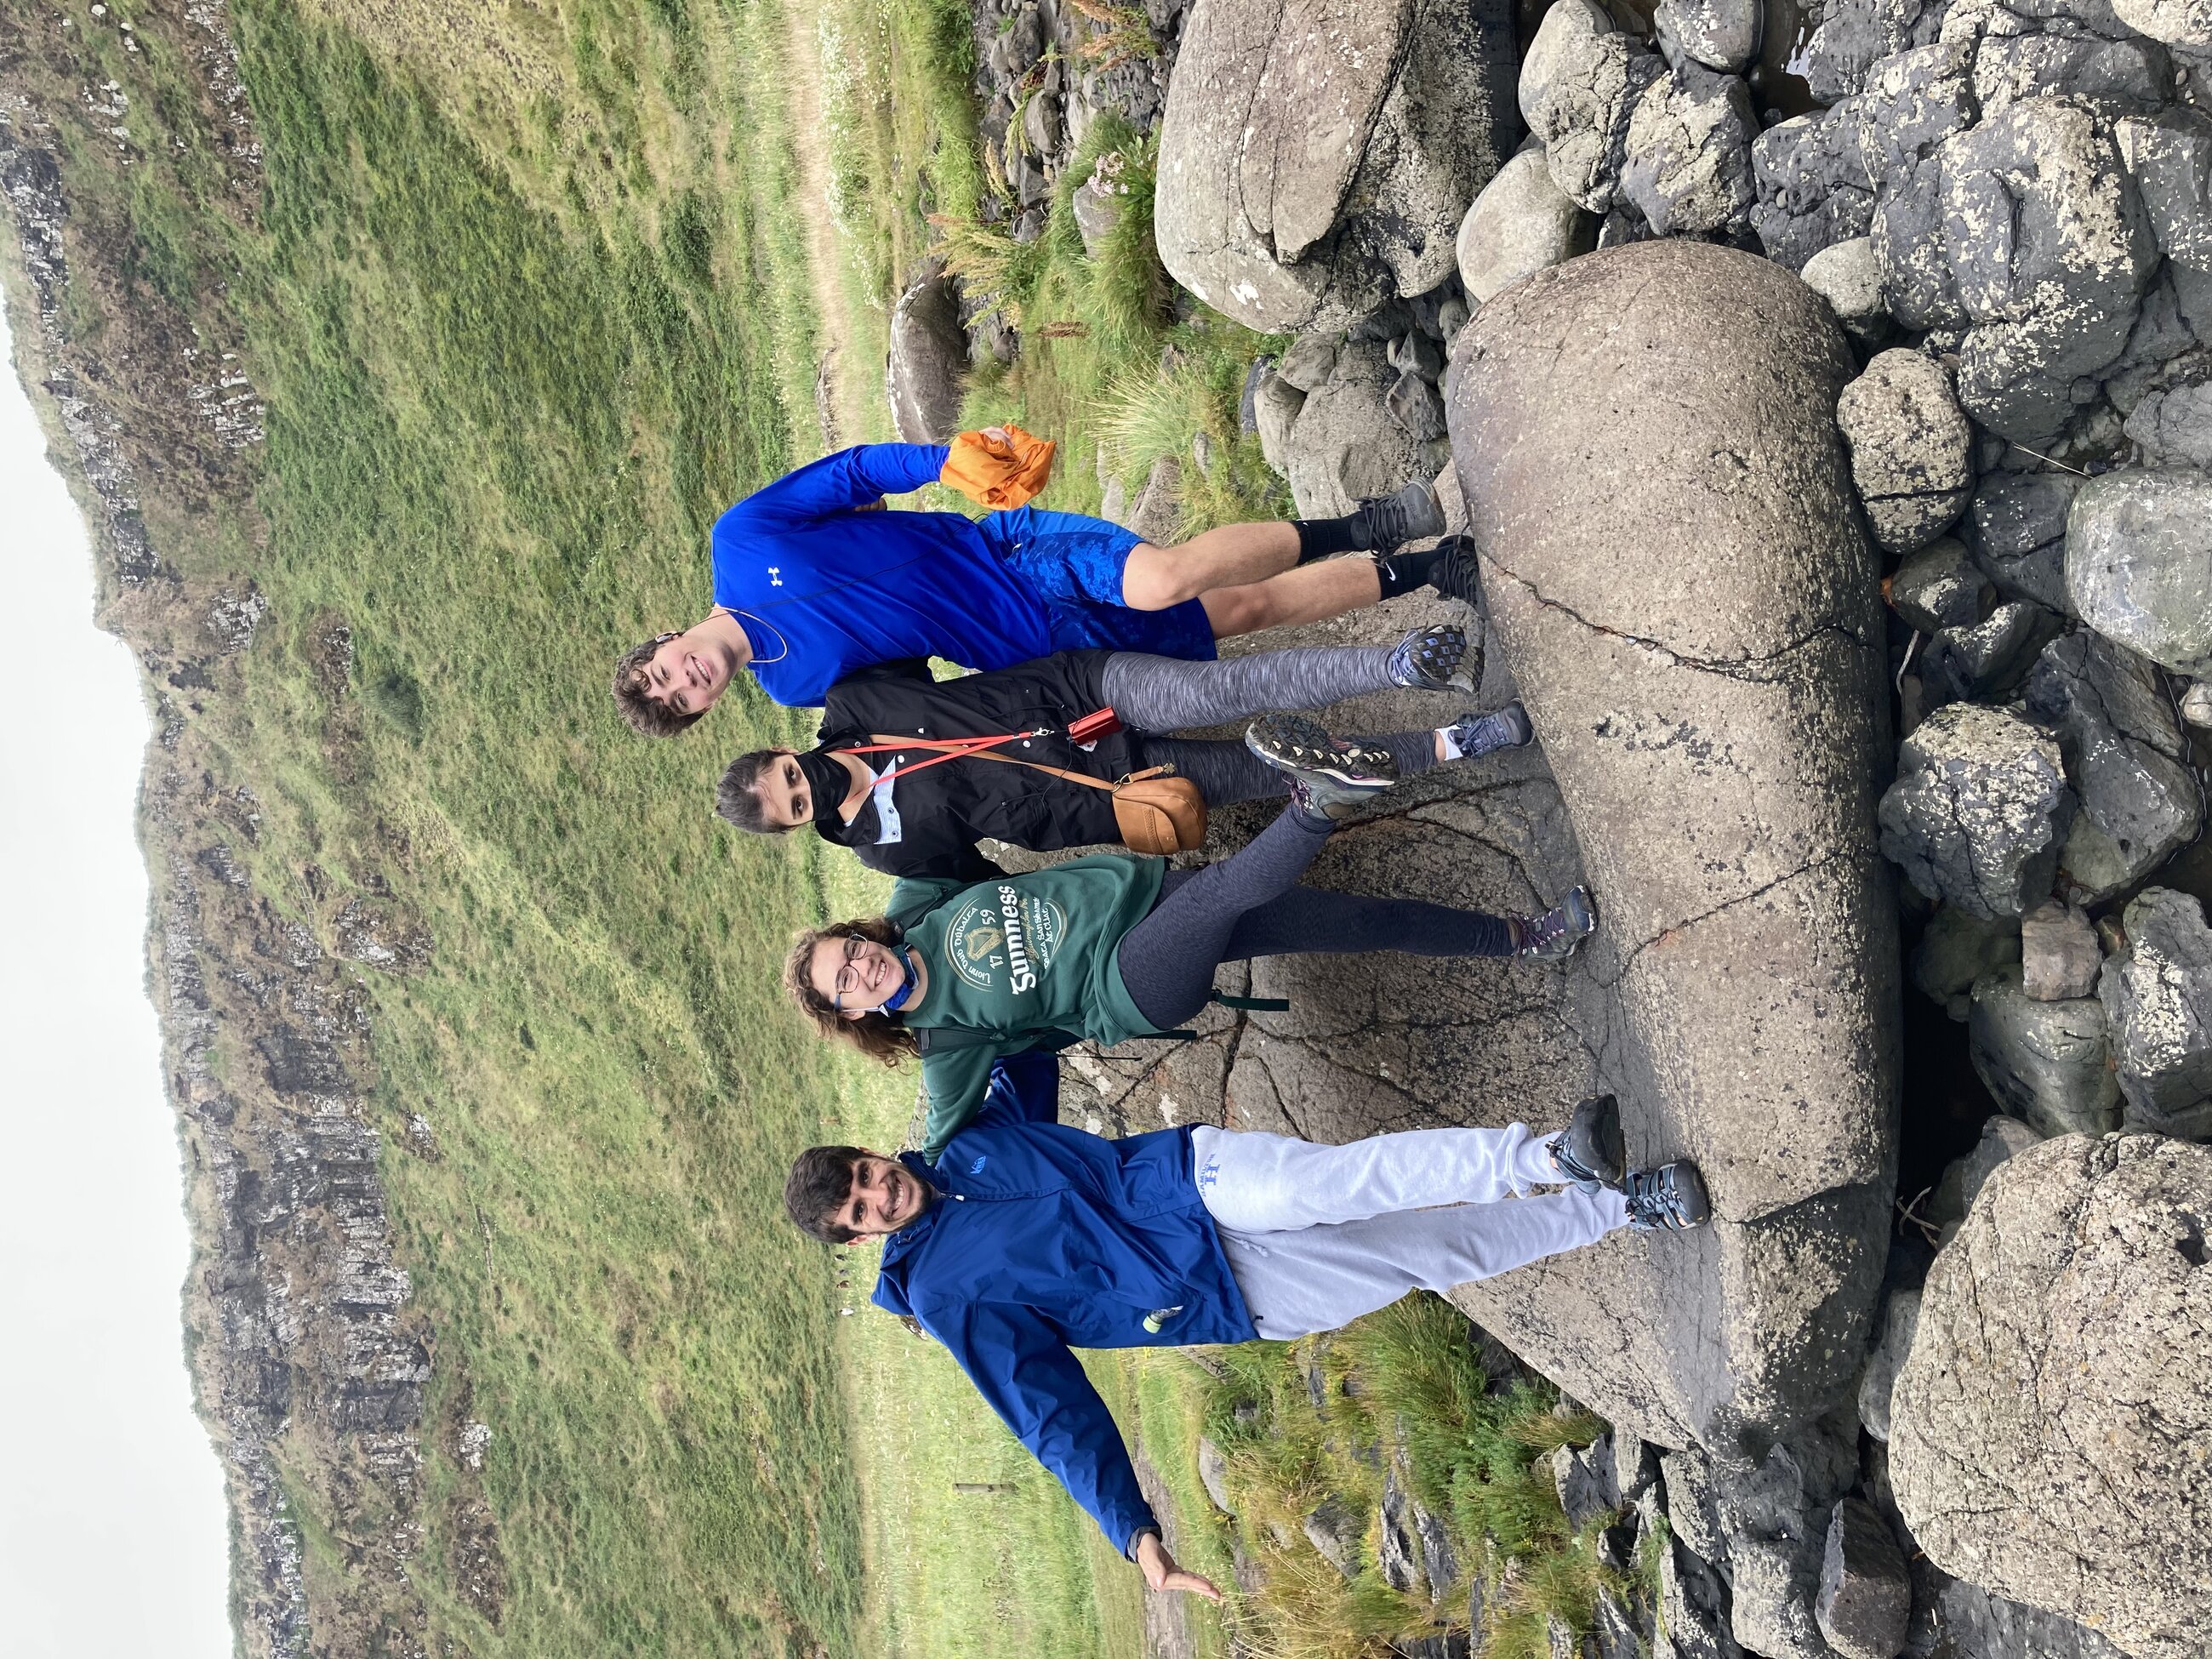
848,982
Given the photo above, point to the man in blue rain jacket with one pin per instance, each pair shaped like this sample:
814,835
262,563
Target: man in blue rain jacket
1026,1239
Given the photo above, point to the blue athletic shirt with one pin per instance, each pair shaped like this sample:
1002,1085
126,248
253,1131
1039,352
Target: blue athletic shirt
823,589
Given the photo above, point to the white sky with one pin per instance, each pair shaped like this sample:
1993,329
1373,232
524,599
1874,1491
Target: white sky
113,1538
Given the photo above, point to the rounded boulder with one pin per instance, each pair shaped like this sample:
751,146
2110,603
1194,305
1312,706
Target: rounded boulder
1646,445
2050,1429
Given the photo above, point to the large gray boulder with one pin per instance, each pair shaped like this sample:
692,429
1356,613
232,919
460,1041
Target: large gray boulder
927,368
1580,85
1685,163
1317,157
1912,448
1979,810
1345,445
1853,35
2048,1064
2051,1428
2139,563
2174,427
1813,188
1686,626
2177,22
1721,34
2125,755
1521,223
2049,249
2169,154
2158,995
2018,534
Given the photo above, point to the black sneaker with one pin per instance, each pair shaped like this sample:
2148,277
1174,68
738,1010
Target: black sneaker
1414,514
1588,1153
1328,776
1477,735
1670,1198
1455,574
1433,660
1555,935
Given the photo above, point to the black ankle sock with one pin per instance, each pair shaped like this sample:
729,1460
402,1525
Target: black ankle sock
1322,539
1403,572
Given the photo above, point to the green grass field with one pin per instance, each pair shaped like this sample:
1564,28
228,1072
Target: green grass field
529,298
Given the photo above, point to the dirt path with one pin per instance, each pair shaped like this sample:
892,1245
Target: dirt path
834,378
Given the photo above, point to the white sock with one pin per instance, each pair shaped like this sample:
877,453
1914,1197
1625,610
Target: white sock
1448,741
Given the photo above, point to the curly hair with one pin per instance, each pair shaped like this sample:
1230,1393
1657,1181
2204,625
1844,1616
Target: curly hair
879,1037
648,715
821,1179
737,798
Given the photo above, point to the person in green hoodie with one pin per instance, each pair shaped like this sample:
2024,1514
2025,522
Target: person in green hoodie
1115,946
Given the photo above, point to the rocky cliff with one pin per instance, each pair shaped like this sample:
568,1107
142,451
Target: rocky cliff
310,1366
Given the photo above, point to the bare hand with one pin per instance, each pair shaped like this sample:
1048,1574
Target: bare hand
1161,1573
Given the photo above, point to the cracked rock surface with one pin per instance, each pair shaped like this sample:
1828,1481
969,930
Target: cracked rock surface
1316,156
2050,1429
2159,996
1978,811
1688,627
1912,448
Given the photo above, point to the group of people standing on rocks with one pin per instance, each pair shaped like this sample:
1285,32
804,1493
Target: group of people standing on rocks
1009,1237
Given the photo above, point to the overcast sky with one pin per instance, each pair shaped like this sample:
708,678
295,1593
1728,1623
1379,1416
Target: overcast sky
112,1534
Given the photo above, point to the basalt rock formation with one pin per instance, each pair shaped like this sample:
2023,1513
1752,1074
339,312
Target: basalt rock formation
1646,445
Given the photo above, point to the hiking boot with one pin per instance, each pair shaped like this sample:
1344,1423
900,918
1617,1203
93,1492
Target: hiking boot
1670,1198
1455,574
1590,1153
1555,935
1433,660
1411,515
1328,776
1477,735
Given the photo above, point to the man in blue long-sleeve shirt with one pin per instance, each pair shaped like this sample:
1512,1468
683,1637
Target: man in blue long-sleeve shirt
1025,1240
810,585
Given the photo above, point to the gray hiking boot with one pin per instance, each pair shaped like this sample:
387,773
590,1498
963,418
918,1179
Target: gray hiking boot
1328,776
1590,1153
1670,1198
1477,735
1412,514
1434,659
1455,574
1555,935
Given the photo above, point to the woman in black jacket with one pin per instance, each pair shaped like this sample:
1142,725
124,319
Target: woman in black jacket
852,786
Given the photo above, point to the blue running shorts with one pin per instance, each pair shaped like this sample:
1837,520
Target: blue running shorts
1074,563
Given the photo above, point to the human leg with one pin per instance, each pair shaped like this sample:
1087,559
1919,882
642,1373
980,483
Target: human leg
1153,692
1316,1279
1263,1183
1168,959
1226,771
1318,921
1313,592
1232,556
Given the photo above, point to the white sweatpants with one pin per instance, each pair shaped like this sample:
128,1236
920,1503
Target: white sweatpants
1317,1236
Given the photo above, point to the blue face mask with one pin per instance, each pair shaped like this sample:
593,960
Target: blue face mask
898,999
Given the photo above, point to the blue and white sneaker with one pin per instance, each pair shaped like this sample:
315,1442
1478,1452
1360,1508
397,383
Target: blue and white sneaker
1670,1198
1477,735
1434,659
1328,776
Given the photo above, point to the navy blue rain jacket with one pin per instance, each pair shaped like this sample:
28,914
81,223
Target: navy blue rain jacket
1044,1239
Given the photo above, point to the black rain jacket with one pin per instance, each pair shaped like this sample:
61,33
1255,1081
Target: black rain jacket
945,810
